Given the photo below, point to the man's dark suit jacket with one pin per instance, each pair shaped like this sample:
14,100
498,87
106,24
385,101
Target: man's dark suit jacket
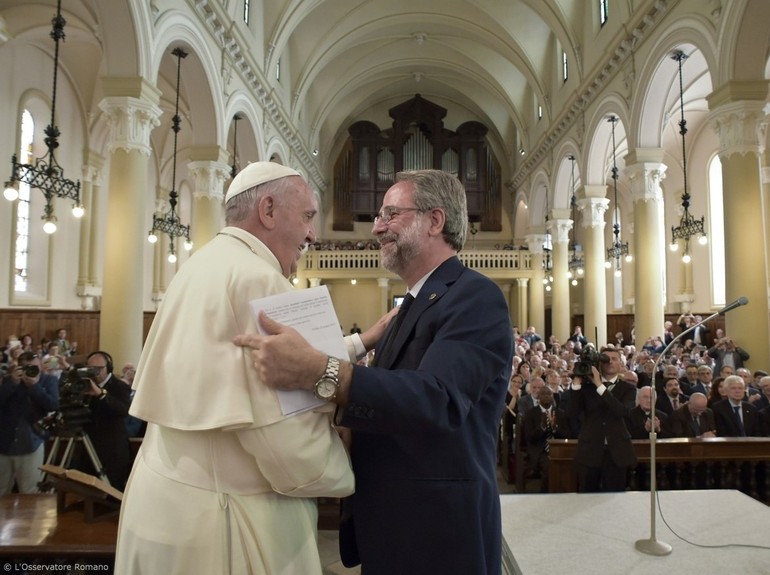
680,423
663,403
107,431
603,420
727,425
635,421
536,435
424,434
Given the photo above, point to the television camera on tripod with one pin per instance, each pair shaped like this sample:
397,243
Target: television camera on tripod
66,423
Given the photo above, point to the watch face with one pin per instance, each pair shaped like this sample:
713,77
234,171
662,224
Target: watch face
326,388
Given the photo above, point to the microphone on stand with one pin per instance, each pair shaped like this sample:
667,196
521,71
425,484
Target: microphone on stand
737,303
652,546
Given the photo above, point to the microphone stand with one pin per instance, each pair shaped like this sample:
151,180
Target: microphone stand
652,546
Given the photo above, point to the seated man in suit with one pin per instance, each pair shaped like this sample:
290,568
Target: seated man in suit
542,423
530,398
735,417
693,419
703,385
638,422
672,398
638,419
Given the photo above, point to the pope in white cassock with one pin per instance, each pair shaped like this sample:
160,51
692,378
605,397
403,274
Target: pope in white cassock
224,482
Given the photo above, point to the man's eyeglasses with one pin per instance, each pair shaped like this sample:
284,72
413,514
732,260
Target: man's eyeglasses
389,212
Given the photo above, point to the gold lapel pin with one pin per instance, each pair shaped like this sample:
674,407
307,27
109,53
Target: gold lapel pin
432,296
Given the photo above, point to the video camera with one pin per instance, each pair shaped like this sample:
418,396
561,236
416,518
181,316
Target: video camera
589,358
73,410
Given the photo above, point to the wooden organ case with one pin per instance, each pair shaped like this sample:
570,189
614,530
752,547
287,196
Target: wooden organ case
369,161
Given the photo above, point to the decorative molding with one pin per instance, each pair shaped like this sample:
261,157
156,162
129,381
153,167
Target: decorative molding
209,179
131,121
593,210
645,181
216,20
741,128
589,92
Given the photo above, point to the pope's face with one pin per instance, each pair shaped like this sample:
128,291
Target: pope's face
295,212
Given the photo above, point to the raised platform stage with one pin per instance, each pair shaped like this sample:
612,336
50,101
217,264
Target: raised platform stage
586,533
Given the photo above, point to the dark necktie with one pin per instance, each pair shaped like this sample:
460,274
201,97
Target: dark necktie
609,385
675,403
548,431
737,411
696,425
380,351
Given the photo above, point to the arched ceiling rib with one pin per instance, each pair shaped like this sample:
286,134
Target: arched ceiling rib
492,59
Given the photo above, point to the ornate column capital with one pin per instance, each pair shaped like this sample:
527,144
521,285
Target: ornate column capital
209,179
560,230
645,181
738,115
535,243
593,210
131,121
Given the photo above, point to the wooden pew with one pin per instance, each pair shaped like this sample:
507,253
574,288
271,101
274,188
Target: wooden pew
725,460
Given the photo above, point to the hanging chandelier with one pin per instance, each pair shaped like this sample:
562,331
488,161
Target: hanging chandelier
618,248
46,174
169,223
576,262
688,225
234,167
547,261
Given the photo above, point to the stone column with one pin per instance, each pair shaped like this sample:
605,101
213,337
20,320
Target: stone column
131,109
740,122
384,285
593,207
521,303
646,170
210,170
560,307
88,287
536,311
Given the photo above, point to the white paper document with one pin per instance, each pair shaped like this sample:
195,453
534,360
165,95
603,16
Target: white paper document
311,313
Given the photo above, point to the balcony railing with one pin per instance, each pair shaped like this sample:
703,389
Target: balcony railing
485,261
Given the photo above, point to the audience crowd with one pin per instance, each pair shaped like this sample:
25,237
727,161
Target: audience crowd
702,391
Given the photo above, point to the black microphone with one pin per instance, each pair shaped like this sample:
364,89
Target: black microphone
737,303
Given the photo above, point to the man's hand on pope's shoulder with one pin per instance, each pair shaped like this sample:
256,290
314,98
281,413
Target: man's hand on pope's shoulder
282,357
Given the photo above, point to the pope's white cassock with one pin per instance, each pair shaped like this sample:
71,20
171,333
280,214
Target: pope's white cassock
223,482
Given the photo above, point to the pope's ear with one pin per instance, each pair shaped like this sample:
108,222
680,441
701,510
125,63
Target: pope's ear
266,210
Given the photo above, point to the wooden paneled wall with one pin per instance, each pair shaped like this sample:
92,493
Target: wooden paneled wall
81,326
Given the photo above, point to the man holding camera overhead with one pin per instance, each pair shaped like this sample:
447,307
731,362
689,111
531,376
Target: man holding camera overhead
600,402
26,395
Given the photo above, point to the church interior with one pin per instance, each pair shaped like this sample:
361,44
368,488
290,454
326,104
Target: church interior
613,154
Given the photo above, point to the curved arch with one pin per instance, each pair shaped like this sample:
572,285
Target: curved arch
598,155
205,98
562,192
654,105
743,58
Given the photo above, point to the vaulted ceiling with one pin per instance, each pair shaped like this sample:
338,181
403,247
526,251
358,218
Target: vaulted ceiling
488,60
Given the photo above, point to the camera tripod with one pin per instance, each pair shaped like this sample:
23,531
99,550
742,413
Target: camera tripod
66,457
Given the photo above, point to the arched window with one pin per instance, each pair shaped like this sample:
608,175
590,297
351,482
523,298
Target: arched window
21,245
716,233
31,248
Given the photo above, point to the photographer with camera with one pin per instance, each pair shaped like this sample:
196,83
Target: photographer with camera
108,401
26,395
599,401
725,352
